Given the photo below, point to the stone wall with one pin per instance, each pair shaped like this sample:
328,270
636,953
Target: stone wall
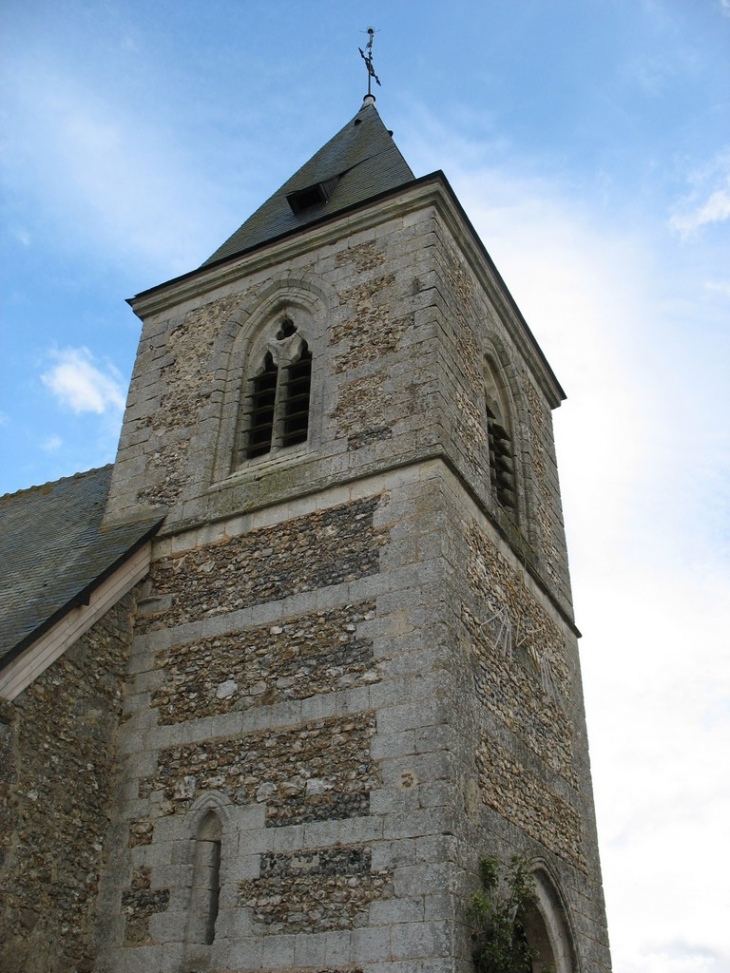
520,665
57,761
139,903
315,653
399,325
473,329
312,772
366,321
521,673
341,654
283,681
520,750
546,508
516,791
366,347
329,888
326,547
177,366
362,735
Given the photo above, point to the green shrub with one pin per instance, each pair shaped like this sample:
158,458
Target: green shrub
496,915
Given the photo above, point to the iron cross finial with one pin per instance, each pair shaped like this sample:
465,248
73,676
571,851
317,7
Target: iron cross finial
368,59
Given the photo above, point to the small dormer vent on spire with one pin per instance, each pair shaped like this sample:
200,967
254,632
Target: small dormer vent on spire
359,163
306,199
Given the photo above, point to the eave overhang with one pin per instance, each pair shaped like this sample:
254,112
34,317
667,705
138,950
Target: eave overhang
30,657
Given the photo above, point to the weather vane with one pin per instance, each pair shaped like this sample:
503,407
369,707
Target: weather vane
368,59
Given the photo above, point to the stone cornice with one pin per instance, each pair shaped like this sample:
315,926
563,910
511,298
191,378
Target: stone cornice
432,190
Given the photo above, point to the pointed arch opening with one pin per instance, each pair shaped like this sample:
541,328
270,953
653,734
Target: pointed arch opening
545,927
518,920
287,317
206,887
502,471
536,934
261,409
275,408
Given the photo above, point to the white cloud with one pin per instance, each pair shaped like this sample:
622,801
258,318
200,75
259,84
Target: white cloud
709,201
719,286
725,7
715,210
676,959
114,177
657,696
51,444
79,384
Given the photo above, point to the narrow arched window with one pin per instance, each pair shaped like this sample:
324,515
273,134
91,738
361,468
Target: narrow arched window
275,408
262,409
500,443
501,460
295,393
205,898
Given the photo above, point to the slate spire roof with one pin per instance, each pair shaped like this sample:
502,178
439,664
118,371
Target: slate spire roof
360,162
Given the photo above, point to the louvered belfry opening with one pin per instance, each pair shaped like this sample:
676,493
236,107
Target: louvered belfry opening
275,410
262,409
501,461
295,390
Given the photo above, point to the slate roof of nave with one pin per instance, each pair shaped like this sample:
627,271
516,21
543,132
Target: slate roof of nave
53,553
360,162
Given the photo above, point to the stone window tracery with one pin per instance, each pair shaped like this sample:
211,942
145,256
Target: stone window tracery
275,407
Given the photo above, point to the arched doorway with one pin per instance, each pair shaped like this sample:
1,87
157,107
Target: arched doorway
546,928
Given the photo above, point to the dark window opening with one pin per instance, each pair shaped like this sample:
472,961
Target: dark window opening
275,412
304,199
206,886
501,461
214,892
535,932
295,391
286,330
262,411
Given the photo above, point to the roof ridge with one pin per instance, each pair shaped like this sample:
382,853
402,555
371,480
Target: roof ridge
61,479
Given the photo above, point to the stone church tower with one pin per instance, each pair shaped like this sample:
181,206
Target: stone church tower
354,668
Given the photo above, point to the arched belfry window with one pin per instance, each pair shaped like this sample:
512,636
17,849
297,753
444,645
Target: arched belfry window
296,387
262,409
275,406
500,442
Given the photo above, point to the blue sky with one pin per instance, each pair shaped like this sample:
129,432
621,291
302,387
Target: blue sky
590,144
